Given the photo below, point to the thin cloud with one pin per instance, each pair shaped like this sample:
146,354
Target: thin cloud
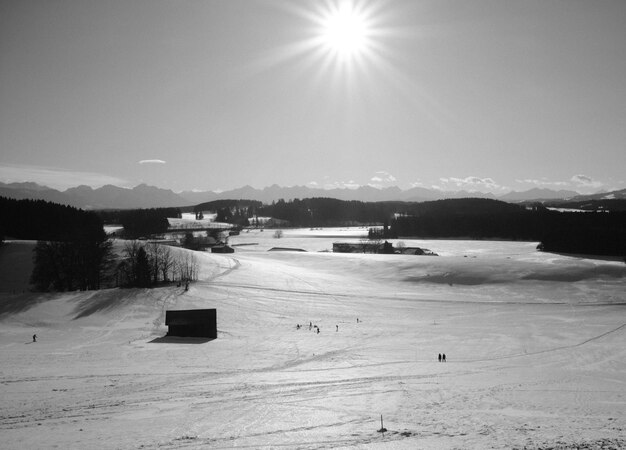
543,182
152,161
385,176
382,179
587,182
472,182
578,182
341,185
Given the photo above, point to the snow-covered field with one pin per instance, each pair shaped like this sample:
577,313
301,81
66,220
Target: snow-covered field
535,344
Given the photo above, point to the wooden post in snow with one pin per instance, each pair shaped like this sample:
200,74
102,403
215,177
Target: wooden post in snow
382,428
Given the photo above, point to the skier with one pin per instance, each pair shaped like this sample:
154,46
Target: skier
34,338
439,357
337,327
318,330
443,358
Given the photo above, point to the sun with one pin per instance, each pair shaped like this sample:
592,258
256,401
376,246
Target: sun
344,31
342,37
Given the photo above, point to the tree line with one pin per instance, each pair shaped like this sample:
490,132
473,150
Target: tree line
329,212
598,233
140,222
309,212
72,250
150,264
42,220
606,204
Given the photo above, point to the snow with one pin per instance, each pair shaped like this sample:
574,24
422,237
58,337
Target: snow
534,343
576,210
191,217
186,223
110,229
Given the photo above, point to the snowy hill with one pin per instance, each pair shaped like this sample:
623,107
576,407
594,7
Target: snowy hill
534,344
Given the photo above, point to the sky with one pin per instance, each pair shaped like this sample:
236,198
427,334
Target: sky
483,95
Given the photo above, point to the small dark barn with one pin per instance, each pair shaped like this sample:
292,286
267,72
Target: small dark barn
222,249
192,323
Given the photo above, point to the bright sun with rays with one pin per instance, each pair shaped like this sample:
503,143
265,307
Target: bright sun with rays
345,31
342,37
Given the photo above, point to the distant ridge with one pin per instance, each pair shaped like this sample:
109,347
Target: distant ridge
105,197
538,194
144,196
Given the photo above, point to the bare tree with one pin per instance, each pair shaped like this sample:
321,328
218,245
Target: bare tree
155,252
187,267
127,270
364,244
370,245
162,264
167,262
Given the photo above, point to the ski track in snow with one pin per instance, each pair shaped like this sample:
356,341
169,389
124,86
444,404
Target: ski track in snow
541,372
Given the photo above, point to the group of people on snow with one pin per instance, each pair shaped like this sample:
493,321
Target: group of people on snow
317,328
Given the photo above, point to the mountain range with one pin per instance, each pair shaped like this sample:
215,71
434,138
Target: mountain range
144,196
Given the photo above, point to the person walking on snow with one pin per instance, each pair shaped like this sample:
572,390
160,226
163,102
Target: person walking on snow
443,358
439,357
34,338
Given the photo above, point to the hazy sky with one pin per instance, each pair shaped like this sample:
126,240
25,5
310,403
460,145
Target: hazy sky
214,94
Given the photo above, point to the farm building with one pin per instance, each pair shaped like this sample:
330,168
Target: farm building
365,246
415,251
192,323
347,247
377,247
222,249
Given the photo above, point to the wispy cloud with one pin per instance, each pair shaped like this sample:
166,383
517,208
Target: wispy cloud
328,184
152,161
587,182
55,177
577,182
382,179
470,183
544,182
342,185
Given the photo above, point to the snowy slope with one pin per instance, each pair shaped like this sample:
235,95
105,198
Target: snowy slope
534,342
